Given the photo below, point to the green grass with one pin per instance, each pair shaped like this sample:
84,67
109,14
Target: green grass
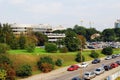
20,57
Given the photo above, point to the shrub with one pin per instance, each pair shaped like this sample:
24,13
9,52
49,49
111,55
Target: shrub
63,50
3,48
24,70
107,51
3,74
79,57
45,59
46,67
51,47
30,47
59,62
94,54
11,74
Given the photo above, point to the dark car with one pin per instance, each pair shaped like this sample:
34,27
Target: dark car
76,78
118,62
107,67
114,56
95,61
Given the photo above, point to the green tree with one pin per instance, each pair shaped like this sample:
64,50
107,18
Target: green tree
22,41
71,41
47,60
41,38
80,30
4,48
51,47
94,54
107,51
79,57
108,35
59,62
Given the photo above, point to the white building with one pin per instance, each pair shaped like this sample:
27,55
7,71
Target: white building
43,28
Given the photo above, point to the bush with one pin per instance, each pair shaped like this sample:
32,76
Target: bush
45,59
3,74
107,51
46,67
11,74
30,47
51,47
94,54
24,70
79,56
59,62
4,48
63,50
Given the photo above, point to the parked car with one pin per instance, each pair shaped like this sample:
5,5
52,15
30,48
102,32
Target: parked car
76,78
107,67
83,64
89,75
114,56
118,62
73,67
108,58
99,70
95,61
114,65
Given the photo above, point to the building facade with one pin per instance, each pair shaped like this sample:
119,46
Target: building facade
117,24
43,28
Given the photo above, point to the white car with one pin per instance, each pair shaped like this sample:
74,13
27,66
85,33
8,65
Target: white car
108,58
99,70
89,75
83,64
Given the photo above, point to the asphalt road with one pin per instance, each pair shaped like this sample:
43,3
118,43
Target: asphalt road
68,75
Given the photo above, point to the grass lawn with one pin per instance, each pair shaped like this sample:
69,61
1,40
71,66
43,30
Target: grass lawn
20,57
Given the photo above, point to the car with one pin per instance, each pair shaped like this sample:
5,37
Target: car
76,78
83,64
114,65
114,56
108,58
89,75
118,62
95,61
107,67
73,67
99,70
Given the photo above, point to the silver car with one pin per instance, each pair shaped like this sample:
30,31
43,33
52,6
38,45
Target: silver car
89,75
99,70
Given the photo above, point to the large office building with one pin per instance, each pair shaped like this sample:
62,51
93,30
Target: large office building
43,28
117,24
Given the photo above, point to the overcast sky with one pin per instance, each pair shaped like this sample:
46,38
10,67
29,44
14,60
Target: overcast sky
100,13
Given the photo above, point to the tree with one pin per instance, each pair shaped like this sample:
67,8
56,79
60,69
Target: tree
45,62
90,32
108,35
22,41
80,30
71,41
79,57
4,48
107,51
94,54
51,47
41,38
59,62
82,40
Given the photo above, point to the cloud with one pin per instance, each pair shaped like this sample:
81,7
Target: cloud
17,1
46,8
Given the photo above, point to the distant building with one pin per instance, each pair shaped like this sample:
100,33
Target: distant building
43,28
117,24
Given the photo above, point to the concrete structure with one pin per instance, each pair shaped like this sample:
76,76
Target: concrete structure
43,28
117,24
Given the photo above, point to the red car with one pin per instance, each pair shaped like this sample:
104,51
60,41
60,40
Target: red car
73,67
114,65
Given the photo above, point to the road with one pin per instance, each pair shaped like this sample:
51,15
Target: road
68,75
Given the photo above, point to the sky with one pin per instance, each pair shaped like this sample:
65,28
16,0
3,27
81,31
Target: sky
99,14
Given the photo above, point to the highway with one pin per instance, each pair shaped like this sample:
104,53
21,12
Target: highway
68,75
